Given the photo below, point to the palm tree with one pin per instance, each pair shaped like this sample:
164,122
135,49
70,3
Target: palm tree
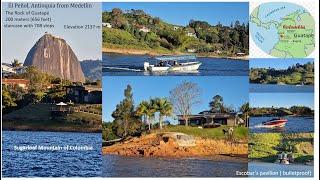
245,109
146,110
164,107
16,63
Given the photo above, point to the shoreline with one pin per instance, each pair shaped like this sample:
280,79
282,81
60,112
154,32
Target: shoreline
153,53
154,145
297,85
260,161
226,158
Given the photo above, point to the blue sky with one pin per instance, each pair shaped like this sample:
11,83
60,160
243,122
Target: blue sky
86,44
281,99
233,89
181,13
277,63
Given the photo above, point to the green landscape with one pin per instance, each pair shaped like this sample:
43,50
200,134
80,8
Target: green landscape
30,108
298,74
282,111
266,146
135,31
148,117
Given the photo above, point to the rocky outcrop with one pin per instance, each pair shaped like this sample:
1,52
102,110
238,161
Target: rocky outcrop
175,145
54,56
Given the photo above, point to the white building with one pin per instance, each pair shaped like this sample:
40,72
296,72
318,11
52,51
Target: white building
144,29
192,34
176,28
7,70
108,25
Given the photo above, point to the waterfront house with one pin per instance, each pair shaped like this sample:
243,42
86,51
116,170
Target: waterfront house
108,25
229,119
22,83
84,94
241,54
7,70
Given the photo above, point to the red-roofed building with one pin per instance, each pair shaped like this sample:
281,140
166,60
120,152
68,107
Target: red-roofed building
23,83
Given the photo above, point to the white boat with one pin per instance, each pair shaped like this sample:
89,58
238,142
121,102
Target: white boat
170,63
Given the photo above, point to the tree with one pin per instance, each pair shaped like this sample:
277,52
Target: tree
116,11
146,110
16,63
7,99
245,109
126,122
164,107
184,97
216,105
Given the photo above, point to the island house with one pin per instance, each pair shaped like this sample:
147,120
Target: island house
108,25
229,119
22,83
84,94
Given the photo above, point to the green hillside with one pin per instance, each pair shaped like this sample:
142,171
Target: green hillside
137,30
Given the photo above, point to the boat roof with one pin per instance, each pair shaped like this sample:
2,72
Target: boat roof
176,57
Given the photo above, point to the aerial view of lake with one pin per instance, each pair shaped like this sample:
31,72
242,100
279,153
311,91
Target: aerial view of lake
294,125
280,170
132,65
281,88
123,166
50,163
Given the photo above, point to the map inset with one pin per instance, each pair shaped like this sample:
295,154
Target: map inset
283,29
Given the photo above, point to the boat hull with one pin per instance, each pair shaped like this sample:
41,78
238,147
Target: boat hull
183,67
275,123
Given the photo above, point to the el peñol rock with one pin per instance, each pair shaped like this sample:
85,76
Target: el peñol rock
53,55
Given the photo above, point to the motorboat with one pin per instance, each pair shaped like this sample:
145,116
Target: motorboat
275,122
173,63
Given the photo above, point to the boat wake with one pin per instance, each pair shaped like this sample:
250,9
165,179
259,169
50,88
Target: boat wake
259,126
123,69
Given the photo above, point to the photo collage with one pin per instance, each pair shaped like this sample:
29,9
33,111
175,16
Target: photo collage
159,89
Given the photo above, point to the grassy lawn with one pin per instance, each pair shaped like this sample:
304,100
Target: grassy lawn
267,146
210,133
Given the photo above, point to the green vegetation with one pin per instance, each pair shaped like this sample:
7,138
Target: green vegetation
140,31
134,121
266,146
274,111
130,120
295,74
240,133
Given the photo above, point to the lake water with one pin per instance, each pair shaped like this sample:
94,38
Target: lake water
120,166
263,169
132,65
57,163
294,125
281,88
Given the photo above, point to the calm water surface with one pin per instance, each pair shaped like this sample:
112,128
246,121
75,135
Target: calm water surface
64,163
276,170
131,65
281,88
294,125
120,166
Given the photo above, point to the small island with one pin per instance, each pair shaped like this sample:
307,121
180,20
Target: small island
143,131
293,74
